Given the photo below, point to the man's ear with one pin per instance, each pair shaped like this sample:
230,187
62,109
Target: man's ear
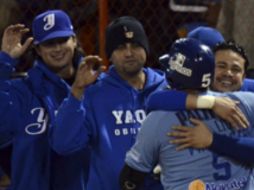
74,38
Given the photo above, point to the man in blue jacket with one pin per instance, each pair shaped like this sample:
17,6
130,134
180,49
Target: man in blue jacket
107,116
28,105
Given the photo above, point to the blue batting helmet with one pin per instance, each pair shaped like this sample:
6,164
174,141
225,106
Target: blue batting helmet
189,64
207,35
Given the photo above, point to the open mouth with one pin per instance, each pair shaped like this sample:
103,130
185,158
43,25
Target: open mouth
225,82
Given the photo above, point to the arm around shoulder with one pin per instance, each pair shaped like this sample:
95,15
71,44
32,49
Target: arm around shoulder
167,100
238,148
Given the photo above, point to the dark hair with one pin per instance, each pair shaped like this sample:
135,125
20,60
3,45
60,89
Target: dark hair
250,73
232,45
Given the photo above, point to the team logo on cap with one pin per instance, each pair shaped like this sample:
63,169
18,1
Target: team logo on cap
177,63
50,21
128,34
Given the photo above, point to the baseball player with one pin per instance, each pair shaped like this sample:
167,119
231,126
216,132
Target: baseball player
193,62
229,56
231,65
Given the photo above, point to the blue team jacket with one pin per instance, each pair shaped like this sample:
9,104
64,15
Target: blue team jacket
248,85
6,68
108,119
27,109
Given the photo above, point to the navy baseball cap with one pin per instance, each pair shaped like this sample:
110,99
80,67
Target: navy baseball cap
51,24
207,35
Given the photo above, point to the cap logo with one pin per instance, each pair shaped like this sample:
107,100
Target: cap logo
177,63
50,21
128,34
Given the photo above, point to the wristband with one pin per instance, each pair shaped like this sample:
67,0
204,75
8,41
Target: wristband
205,102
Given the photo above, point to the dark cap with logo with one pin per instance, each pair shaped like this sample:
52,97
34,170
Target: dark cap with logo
125,29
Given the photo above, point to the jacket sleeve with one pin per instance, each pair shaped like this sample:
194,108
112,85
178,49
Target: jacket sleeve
69,133
168,100
7,66
11,105
248,85
238,148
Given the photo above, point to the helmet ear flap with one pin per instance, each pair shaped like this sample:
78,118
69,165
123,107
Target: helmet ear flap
164,63
165,66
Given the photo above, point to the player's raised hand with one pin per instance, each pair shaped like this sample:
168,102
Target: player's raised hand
11,42
228,110
87,73
196,137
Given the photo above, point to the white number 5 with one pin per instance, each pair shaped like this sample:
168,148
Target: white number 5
206,80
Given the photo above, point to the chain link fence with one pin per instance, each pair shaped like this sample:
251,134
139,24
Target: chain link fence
163,20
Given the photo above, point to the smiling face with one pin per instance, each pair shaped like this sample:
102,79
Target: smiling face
229,71
129,59
57,53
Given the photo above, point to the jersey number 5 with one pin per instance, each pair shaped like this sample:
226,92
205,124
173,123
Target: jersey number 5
223,169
